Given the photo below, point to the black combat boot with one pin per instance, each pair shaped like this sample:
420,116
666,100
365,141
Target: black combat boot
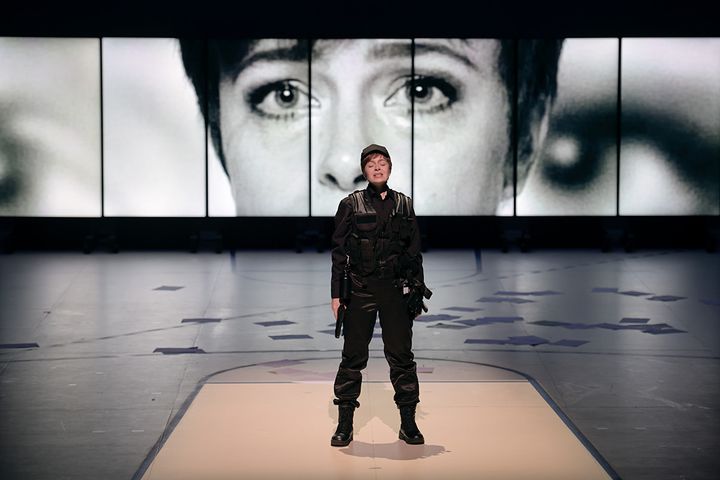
408,428
344,433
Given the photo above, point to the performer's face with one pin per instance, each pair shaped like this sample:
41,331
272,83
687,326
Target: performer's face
452,116
377,170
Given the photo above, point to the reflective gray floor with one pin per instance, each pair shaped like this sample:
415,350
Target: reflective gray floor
628,345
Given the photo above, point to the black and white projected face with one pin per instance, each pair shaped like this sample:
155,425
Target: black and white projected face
364,91
670,145
153,132
576,171
288,119
264,104
360,93
50,127
462,134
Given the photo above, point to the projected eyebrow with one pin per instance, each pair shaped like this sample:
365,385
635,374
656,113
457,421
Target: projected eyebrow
396,50
424,49
296,53
390,50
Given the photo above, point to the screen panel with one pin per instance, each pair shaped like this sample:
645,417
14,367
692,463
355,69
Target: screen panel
50,127
221,202
153,131
445,115
358,98
574,171
258,108
462,113
670,137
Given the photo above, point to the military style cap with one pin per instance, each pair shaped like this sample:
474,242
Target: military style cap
373,148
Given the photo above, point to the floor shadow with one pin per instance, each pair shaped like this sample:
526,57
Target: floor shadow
398,450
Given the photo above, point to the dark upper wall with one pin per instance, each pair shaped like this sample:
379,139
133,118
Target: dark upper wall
268,18
273,18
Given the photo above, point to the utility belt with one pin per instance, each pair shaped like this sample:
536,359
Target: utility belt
362,286
381,272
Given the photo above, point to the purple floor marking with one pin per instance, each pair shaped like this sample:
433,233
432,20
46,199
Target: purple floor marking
275,323
489,320
571,326
435,318
661,329
504,299
665,298
634,320
524,340
634,293
527,340
448,326
486,341
19,345
176,350
628,323
201,320
569,343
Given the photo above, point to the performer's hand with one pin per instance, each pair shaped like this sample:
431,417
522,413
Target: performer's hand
335,304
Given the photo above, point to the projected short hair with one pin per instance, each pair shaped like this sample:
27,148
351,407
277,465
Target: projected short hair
536,65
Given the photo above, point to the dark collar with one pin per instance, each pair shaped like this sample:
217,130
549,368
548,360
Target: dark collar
372,193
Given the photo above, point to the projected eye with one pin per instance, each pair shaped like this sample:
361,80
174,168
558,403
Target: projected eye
688,150
281,100
431,94
577,148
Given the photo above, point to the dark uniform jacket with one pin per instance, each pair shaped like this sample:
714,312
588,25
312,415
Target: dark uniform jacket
381,237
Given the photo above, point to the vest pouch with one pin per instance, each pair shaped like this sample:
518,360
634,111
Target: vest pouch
403,227
366,222
367,255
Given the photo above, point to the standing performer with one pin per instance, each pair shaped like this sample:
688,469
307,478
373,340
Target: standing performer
376,242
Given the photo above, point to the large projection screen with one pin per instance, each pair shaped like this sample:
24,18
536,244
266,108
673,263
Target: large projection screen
462,116
153,132
357,99
50,127
575,171
670,146
163,127
258,108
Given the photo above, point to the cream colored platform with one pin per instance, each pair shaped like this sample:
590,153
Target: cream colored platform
241,424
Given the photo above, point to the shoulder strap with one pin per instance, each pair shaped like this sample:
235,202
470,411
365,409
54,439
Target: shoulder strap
402,204
360,203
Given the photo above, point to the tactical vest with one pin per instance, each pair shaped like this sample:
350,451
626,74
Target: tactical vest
374,248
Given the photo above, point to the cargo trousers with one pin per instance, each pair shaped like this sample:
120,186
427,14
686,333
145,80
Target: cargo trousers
371,299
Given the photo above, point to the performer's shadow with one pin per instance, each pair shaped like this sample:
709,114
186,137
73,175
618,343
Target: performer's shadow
398,450
377,403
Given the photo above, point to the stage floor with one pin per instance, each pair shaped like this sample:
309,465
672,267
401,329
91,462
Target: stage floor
105,360
274,420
